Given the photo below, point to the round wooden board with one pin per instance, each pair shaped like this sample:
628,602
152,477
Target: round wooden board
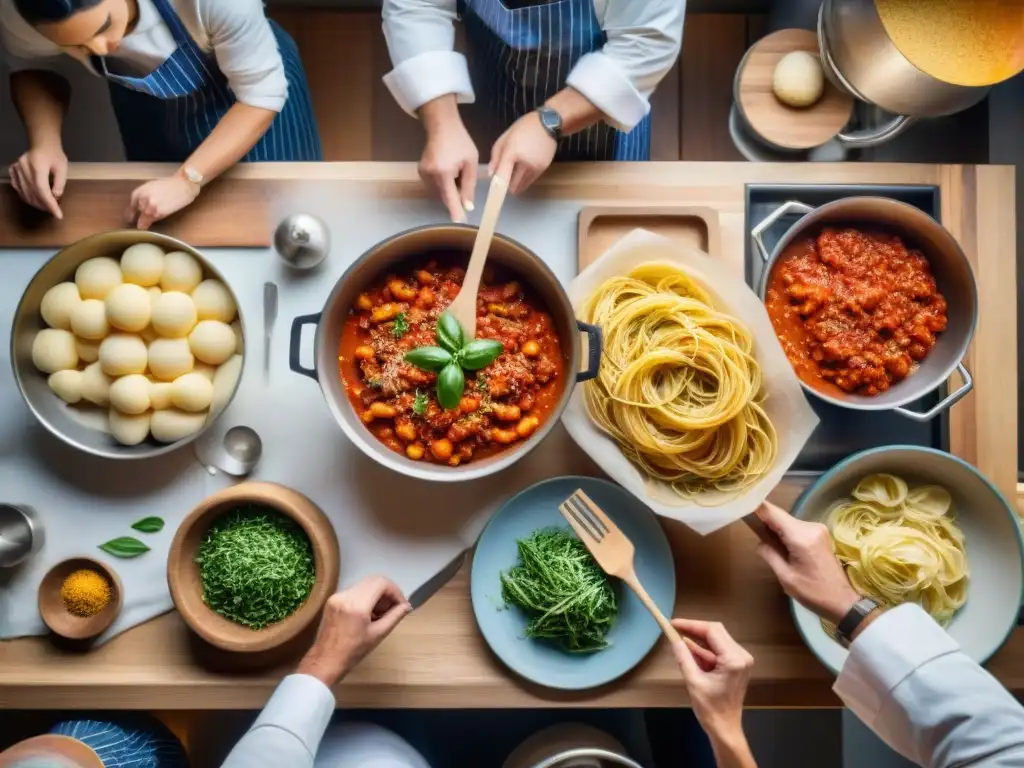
787,127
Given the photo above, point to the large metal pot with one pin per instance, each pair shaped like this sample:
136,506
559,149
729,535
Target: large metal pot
859,56
384,257
81,429
953,275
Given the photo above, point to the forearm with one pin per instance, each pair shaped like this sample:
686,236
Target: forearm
231,139
577,111
41,99
731,749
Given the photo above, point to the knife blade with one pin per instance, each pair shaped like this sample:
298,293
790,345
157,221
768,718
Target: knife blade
423,593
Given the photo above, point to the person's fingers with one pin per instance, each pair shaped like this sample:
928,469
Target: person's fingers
507,167
705,659
527,180
450,197
775,560
146,220
777,519
687,663
60,178
496,152
41,182
383,626
16,181
28,192
467,184
722,643
371,590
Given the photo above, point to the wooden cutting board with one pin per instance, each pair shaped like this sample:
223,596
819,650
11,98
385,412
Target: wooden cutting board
602,226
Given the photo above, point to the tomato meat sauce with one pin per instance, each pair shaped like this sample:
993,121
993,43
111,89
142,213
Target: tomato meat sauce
503,403
855,311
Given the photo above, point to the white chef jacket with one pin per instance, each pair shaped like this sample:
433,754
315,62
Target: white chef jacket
237,31
644,37
905,678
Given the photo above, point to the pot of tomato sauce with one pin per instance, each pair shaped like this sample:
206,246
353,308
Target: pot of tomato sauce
389,302
873,302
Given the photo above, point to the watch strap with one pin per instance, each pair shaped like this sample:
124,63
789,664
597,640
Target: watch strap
853,618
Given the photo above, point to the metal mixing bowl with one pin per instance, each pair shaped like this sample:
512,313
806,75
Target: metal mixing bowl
53,413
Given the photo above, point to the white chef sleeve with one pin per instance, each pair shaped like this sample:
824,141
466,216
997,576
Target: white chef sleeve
421,40
910,683
289,729
246,51
644,39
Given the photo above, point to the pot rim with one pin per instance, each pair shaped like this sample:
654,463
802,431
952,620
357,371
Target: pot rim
814,218
471,470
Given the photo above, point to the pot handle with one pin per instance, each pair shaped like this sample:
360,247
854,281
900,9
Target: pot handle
758,232
879,134
947,402
295,347
595,340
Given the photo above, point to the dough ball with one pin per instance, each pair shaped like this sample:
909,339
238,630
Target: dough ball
123,353
154,293
224,384
173,315
236,326
127,307
67,385
96,384
96,277
54,350
192,392
207,370
130,394
172,425
214,301
129,429
181,272
88,350
212,341
58,303
798,80
170,358
160,395
143,264
89,320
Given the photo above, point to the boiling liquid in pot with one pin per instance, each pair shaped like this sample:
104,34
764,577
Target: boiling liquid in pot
963,42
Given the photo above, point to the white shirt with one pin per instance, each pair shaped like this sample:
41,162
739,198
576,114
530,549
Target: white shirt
237,31
910,683
644,37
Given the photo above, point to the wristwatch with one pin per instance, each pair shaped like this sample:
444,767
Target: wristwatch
849,623
552,122
193,176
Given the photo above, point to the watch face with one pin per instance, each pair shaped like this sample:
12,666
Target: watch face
551,120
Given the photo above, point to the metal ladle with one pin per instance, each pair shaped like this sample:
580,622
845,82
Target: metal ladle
237,453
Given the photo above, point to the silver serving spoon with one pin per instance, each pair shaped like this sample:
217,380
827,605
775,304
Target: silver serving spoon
236,454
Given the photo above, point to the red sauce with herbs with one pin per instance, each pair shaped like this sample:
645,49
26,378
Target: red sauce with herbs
503,403
855,311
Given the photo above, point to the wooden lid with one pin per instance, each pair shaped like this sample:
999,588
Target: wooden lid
787,127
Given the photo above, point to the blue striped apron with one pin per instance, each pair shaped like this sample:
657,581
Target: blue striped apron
522,56
141,742
167,114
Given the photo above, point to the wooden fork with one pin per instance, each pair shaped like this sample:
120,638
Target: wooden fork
613,551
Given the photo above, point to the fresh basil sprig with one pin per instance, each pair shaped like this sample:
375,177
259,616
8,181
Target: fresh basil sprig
454,354
124,546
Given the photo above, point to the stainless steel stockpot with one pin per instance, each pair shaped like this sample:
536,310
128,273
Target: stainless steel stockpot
953,275
384,256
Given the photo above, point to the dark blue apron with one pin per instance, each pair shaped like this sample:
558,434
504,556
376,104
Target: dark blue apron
167,114
521,57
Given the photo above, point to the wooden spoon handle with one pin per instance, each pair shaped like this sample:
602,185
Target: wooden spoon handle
464,306
666,626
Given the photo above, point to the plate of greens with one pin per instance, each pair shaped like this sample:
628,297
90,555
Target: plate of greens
545,607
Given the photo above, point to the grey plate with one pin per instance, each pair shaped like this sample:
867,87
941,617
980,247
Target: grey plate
503,628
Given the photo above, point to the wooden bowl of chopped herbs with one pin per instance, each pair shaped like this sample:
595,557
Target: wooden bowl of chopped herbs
252,566
79,598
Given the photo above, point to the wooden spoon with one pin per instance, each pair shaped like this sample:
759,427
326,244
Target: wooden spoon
464,305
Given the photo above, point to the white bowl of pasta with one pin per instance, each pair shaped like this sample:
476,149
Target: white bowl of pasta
913,524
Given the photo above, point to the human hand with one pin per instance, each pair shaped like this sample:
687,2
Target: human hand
355,621
809,571
158,199
522,153
30,176
450,158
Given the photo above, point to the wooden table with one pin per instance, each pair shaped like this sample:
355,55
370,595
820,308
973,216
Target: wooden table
436,658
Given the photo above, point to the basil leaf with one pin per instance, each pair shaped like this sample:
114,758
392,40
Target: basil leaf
450,384
124,546
480,352
449,332
428,358
149,525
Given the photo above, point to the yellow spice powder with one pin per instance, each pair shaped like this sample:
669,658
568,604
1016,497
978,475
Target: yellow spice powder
85,593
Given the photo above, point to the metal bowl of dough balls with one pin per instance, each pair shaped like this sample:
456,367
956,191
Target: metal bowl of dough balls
127,344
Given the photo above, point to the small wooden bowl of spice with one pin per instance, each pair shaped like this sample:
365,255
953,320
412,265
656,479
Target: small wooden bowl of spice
79,598
252,566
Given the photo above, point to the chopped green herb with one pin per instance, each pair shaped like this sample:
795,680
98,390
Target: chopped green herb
566,594
419,405
256,566
373,383
481,383
400,327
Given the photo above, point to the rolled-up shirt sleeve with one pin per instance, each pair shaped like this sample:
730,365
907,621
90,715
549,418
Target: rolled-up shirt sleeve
290,728
643,43
246,51
421,41
908,681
